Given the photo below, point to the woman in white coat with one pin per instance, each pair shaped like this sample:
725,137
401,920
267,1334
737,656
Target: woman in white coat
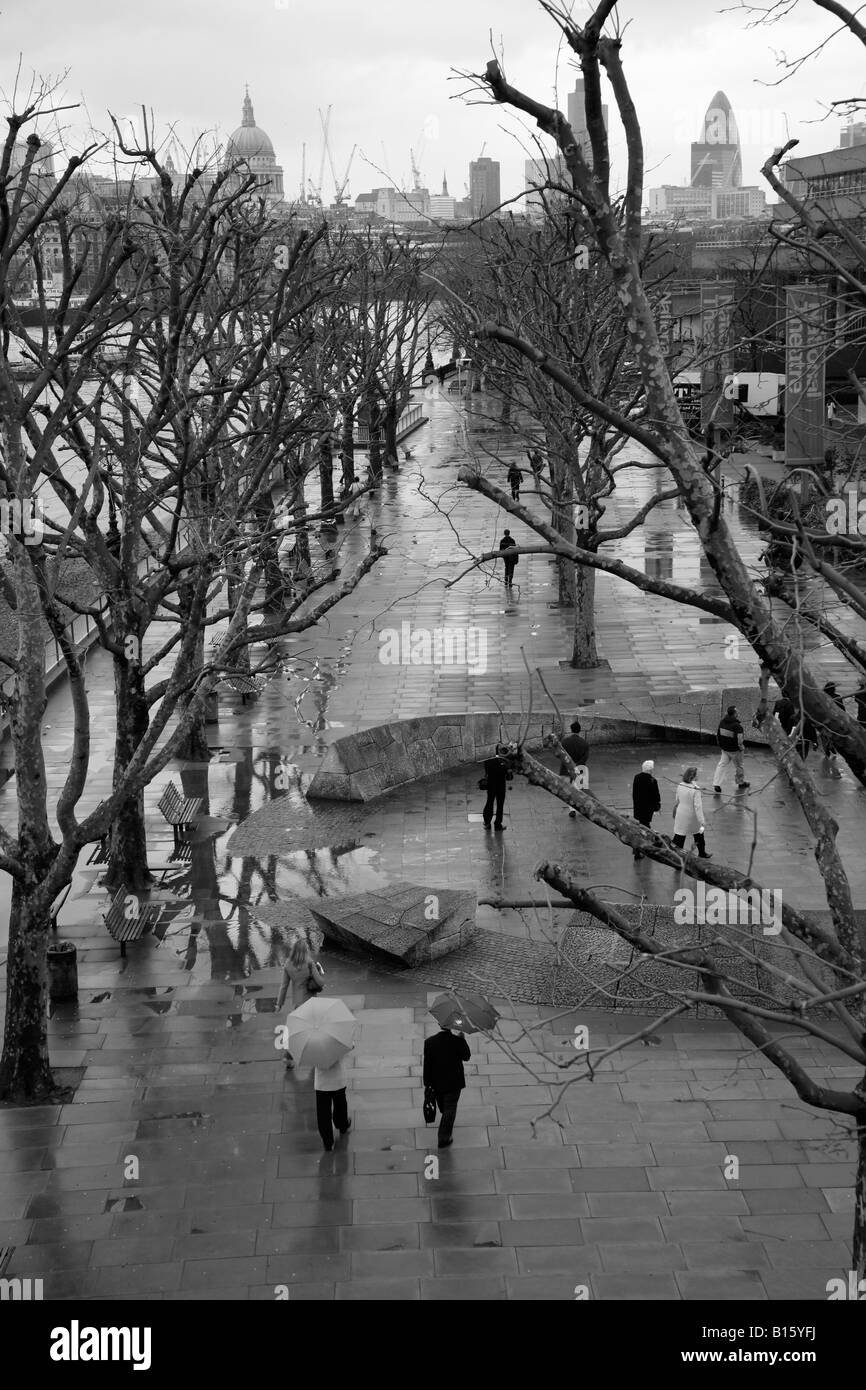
689,813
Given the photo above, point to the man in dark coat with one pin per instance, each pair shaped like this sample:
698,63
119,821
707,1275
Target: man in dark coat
646,797
497,773
577,749
789,717
505,545
515,478
444,1056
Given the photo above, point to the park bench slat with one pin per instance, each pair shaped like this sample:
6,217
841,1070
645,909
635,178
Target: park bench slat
122,928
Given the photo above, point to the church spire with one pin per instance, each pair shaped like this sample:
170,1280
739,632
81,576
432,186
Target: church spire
248,118
444,185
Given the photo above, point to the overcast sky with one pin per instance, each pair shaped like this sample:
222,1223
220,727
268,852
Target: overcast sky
384,66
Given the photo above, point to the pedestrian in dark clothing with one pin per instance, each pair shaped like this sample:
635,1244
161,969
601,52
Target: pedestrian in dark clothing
507,543
790,719
827,743
730,736
496,774
515,478
536,463
577,749
645,797
330,1087
860,701
444,1056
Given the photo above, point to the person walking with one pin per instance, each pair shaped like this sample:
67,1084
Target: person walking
730,736
827,742
536,463
303,975
831,413
331,1104
515,478
807,735
577,749
689,813
645,798
497,774
444,1056
509,543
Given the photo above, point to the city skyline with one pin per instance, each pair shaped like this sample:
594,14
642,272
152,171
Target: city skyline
374,108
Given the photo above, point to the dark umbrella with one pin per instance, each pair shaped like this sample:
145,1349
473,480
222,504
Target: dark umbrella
471,1013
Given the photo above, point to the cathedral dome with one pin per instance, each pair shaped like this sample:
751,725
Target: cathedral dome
248,141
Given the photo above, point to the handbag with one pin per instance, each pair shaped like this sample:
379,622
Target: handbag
483,785
429,1107
314,984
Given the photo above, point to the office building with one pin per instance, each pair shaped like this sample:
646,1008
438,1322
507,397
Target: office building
484,194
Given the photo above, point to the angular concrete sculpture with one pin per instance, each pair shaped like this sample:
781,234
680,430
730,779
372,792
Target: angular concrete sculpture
403,923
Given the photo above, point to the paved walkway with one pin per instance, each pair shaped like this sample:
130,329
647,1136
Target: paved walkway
173,1052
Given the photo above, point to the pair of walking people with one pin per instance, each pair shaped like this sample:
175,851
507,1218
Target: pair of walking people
688,807
303,979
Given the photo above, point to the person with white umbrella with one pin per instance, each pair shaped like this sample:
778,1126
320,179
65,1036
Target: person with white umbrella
321,1033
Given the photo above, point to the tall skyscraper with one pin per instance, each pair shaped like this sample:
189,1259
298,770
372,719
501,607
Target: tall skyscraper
577,116
484,194
852,134
716,159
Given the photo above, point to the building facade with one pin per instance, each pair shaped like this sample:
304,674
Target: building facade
484,188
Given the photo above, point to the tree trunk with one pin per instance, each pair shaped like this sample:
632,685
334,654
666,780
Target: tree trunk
584,654
562,519
25,1070
128,841
347,449
374,414
390,419
195,746
326,476
505,412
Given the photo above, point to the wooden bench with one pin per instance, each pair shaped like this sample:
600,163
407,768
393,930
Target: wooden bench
99,853
181,814
127,919
242,683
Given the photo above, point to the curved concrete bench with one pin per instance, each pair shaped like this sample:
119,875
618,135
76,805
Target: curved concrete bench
363,766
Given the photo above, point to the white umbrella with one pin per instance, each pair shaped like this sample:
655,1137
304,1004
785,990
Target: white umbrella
320,1032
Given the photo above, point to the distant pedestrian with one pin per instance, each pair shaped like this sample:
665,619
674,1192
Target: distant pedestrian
790,719
730,736
331,1104
536,463
645,797
497,774
831,413
689,813
444,1056
515,478
303,975
577,749
827,742
859,698
508,543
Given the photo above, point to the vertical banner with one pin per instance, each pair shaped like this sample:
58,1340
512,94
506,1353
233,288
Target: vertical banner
717,352
806,350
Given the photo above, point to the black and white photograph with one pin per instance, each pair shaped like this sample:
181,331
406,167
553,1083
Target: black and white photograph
433,671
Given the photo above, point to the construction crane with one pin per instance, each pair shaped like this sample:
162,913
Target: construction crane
483,148
416,173
339,184
317,188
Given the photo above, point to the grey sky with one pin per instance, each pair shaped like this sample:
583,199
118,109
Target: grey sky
385,64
